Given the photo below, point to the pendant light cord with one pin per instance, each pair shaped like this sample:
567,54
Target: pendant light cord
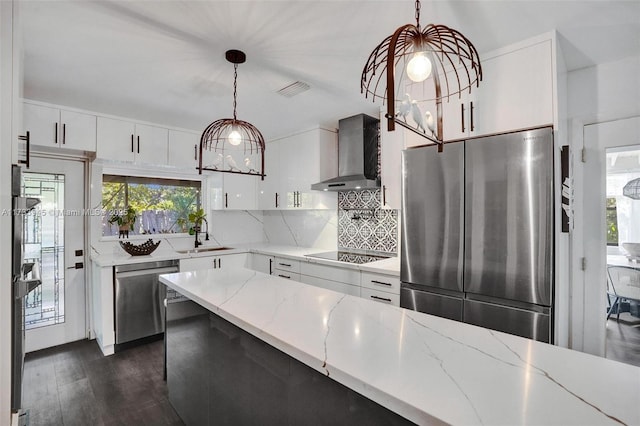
418,14
235,88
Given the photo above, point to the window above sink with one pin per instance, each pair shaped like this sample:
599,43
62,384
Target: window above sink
161,205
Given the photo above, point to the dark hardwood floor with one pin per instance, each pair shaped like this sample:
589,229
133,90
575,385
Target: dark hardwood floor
623,339
74,384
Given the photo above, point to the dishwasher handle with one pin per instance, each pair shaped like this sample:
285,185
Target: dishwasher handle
139,272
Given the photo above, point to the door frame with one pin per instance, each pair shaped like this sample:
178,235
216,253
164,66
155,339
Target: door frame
588,243
48,155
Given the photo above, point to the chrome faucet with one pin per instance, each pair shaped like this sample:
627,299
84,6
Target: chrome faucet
197,231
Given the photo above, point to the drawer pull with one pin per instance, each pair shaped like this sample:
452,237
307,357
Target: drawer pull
381,298
284,276
285,264
382,283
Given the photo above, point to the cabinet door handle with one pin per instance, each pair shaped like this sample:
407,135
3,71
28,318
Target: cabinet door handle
195,152
284,276
55,140
215,265
285,264
270,266
138,144
462,116
219,263
132,142
471,116
27,139
384,195
381,298
64,133
276,200
381,283
226,200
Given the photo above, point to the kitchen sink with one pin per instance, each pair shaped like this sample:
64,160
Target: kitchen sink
203,250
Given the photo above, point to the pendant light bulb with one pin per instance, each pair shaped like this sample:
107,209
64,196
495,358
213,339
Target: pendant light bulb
419,67
235,138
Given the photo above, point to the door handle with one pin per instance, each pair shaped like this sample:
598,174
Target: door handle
226,200
462,116
132,142
55,138
471,116
138,144
64,133
384,195
276,200
219,263
270,266
78,265
195,152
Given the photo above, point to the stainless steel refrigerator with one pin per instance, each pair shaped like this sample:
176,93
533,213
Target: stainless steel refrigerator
477,232
25,278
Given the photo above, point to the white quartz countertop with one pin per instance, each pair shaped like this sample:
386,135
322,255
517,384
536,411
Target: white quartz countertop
425,368
166,251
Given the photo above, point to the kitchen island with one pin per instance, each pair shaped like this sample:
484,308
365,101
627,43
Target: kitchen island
426,369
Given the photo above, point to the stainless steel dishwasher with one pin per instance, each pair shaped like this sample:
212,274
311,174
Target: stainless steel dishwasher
139,299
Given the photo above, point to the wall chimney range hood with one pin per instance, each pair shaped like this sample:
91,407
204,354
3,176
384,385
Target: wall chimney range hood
357,155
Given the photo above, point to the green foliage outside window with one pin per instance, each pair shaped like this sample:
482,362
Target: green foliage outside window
612,222
162,206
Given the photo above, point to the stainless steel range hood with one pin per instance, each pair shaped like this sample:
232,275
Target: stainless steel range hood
357,155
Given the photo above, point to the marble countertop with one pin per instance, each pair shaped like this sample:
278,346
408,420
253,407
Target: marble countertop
166,251
425,368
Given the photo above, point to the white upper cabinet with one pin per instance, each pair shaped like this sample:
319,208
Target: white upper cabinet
269,197
53,127
183,150
122,140
293,164
516,92
391,146
239,192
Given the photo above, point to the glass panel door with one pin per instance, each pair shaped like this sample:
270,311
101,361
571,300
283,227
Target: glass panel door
54,234
44,242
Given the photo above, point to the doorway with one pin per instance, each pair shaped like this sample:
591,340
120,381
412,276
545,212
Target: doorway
623,254
607,218
55,313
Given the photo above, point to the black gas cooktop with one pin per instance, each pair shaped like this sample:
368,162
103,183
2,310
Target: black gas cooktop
349,257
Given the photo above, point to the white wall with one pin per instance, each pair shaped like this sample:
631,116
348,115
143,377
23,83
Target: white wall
598,94
605,92
6,138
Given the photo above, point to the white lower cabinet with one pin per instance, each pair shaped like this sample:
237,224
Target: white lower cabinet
377,287
331,273
262,263
352,290
287,275
380,282
287,265
380,296
228,261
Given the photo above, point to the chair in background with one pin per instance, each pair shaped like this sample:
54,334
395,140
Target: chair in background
623,286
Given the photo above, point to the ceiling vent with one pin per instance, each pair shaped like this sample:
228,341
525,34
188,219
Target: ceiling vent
294,89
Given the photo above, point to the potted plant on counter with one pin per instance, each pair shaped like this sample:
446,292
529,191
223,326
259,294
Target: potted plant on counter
125,221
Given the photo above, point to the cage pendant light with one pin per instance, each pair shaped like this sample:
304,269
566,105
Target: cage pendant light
414,69
237,145
632,189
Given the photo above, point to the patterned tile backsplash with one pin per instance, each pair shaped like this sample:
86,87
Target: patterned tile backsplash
363,225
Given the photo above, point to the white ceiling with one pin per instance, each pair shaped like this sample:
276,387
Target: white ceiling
163,61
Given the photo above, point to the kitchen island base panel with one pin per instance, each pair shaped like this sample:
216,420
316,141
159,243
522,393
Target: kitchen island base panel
219,374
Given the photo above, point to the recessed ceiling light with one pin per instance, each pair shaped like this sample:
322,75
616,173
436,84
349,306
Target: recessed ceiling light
294,89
